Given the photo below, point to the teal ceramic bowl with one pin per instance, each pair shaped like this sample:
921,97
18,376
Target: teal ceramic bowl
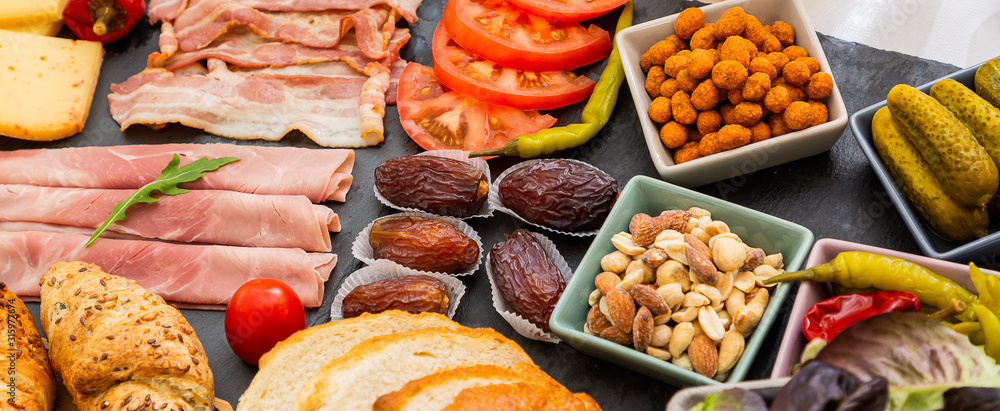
646,195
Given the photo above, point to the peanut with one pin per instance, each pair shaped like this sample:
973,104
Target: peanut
764,272
744,281
728,254
686,315
658,353
615,262
595,297
623,242
672,294
672,271
661,336
683,361
747,317
730,350
710,292
775,260
680,339
724,285
698,212
695,299
711,323
630,280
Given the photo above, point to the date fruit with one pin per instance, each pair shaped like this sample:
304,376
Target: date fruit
529,282
560,194
412,293
437,185
423,244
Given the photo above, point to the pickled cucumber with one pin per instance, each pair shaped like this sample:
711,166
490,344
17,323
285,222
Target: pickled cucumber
950,150
978,115
948,218
987,81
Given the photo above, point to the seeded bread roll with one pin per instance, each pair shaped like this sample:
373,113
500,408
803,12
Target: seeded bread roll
34,385
118,346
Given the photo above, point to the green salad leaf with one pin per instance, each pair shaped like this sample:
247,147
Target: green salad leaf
918,356
166,184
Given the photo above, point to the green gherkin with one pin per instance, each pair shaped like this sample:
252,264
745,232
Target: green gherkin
987,81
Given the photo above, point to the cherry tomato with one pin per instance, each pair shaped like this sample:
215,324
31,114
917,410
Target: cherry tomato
498,31
437,118
563,10
261,313
486,80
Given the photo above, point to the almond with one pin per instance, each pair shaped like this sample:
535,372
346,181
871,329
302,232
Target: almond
642,329
693,241
676,220
702,268
754,259
653,257
606,282
596,320
621,309
645,228
704,356
646,296
616,335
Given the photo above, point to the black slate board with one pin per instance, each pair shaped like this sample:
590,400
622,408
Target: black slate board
834,194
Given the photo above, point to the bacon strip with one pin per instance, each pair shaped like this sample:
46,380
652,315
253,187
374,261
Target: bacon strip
336,69
209,275
202,216
166,10
242,48
328,111
205,21
320,175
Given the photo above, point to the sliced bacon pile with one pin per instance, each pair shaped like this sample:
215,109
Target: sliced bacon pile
254,218
257,69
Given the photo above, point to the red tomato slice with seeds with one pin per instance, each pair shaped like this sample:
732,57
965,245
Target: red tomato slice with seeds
437,118
488,81
572,10
498,31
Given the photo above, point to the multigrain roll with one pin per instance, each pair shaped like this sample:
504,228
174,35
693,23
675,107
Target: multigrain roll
118,346
31,386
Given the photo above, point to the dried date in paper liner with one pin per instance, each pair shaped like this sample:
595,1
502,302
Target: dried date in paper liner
520,324
385,269
362,249
494,198
486,210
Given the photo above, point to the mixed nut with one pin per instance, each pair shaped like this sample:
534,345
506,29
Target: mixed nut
683,288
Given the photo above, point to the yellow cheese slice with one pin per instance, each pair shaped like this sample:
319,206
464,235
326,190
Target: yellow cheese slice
30,12
48,84
42,29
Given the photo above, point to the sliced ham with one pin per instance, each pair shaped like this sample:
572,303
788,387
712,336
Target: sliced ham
201,23
328,111
198,216
204,275
243,48
319,174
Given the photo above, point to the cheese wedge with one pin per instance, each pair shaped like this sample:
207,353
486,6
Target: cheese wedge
48,84
30,12
42,29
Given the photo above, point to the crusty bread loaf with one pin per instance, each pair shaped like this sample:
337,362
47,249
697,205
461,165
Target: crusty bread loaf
385,364
118,346
442,389
519,396
34,387
288,366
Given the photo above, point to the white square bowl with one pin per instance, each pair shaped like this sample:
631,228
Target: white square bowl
635,40
811,292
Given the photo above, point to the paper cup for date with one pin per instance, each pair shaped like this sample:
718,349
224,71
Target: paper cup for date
485,210
494,199
383,270
520,324
362,248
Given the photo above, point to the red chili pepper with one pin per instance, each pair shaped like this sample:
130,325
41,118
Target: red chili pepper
102,20
829,317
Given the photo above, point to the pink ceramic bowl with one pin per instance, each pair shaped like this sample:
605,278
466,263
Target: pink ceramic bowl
811,292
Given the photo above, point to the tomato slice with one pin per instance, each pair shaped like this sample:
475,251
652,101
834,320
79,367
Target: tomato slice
437,118
567,10
488,81
500,32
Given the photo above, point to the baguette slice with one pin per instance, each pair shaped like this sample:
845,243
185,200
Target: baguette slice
291,363
34,384
463,388
118,346
385,364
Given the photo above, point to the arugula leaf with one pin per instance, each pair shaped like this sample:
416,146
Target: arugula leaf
166,183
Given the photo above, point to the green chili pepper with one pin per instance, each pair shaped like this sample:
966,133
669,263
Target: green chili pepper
595,114
986,296
967,327
857,269
991,330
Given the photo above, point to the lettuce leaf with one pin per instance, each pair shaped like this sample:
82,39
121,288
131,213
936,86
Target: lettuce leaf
920,358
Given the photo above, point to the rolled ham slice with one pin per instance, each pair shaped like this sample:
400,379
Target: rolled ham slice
319,174
200,275
198,216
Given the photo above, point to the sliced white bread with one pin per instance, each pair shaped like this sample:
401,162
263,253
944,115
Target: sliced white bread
440,390
385,364
291,363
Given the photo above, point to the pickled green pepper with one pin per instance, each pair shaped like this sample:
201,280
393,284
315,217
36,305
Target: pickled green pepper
595,114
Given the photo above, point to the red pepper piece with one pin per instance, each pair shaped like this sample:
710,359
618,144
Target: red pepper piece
829,317
102,20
